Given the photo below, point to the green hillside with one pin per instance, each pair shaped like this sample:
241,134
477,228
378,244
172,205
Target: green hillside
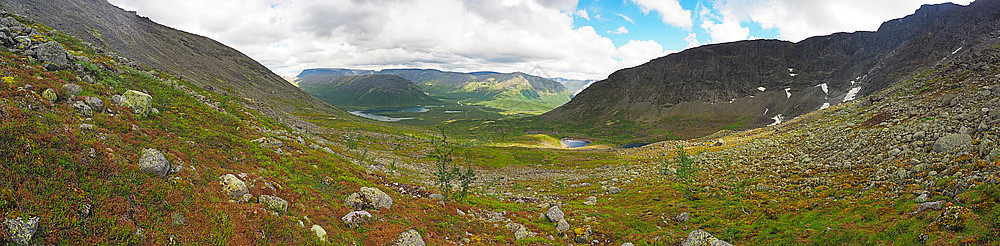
365,91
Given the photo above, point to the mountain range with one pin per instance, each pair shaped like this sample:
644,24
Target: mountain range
374,90
514,92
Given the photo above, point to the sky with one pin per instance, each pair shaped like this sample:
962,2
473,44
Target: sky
576,39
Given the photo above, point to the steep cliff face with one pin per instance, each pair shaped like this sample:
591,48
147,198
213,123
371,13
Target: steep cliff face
200,60
748,83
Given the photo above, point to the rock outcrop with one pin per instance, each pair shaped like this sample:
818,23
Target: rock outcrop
368,198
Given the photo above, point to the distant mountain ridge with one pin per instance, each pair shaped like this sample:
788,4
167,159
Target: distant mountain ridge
518,92
754,83
373,90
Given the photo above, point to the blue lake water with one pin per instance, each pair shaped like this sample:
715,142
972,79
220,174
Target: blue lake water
572,143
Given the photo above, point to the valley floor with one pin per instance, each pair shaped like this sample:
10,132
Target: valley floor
916,163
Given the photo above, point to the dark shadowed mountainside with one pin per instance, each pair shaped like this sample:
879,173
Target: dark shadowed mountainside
754,83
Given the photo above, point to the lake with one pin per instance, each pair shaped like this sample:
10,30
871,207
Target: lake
375,114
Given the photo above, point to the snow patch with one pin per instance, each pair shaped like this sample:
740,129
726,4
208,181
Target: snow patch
956,51
761,88
732,100
788,94
777,120
825,105
852,93
765,111
852,82
823,86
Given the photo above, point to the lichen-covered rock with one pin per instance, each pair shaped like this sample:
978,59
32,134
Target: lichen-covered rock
233,186
410,238
94,103
139,102
520,232
354,218
582,234
273,202
84,109
562,226
21,230
320,232
703,238
50,95
52,55
554,214
952,141
71,90
153,162
368,198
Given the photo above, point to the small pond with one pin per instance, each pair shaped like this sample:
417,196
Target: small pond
573,143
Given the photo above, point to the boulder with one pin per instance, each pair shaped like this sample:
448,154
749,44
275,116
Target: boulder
683,217
628,244
436,196
71,90
50,95
139,102
703,238
591,201
233,186
117,100
94,103
368,198
520,232
952,141
273,202
410,238
582,234
929,205
921,198
562,226
153,162
554,214
354,218
84,109
19,230
320,232
52,55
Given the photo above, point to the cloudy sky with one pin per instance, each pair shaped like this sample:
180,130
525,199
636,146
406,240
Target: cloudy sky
580,39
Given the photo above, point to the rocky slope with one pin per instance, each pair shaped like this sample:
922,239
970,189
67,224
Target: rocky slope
203,61
508,91
748,83
369,91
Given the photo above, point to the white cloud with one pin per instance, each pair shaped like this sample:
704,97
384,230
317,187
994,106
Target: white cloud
626,18
670,11
796,20
637,52
620,30
692,40
506,36
582,13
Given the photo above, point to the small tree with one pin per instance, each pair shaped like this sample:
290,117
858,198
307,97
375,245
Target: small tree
685,170
447,172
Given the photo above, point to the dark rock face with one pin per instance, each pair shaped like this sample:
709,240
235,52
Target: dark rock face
717,85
